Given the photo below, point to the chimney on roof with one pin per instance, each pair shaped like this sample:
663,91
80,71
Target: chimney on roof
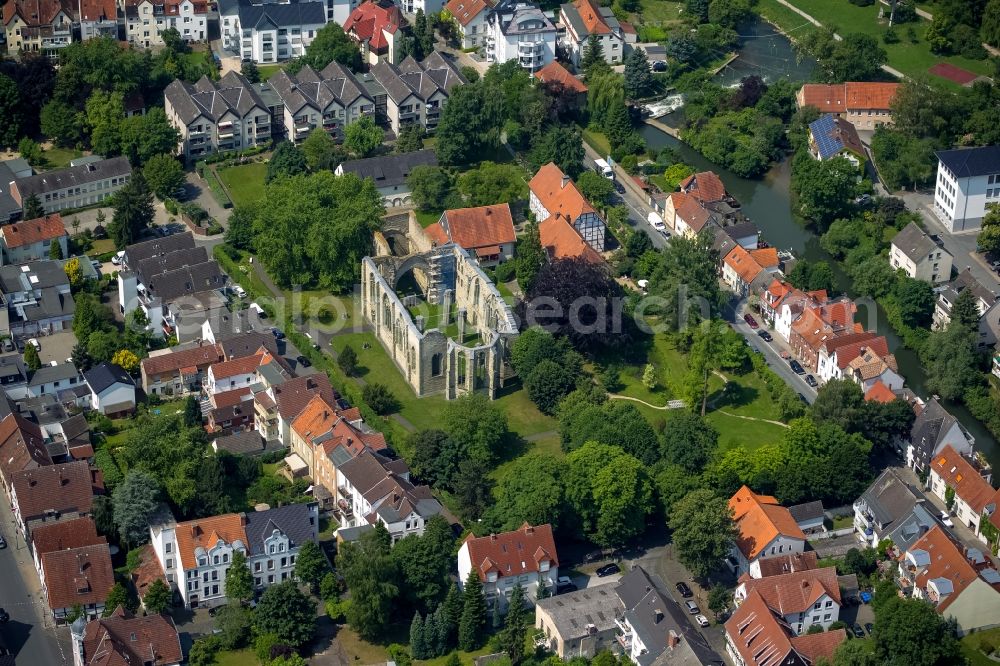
565,181
673,639
493,537
243,518
658,615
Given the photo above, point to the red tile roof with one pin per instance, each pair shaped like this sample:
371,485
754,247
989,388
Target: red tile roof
368,21
62,488
123,639
706,187
850,351
78,576
98,10
815,647
879,392
781,564
293,396
149,570
465,11
959,474
558,193
479,227
21,446
437,234
796,592
840,97
944,560
202,356
230,398
554,71
206,532
513,553
40,229
760,519
65,535
562,241
36,12
743,264
590,14
688,209
240,366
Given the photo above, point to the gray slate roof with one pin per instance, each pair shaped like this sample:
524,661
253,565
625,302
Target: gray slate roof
423,79
335,84
889,498
806,512
106,375
34,276
137,252
186,281
929,428
8,172
292,520
51,181
148,268
51,373
51,304
281,15
390,170
247,442
523,20
965,280
247,344
573,611
232,94
971,162
914,242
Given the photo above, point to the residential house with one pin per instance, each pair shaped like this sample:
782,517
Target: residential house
270,32
10,170
50,494
685,215
487,232
879,392
237,373
37,297
919,255
39,26
331,99
13,374
831,136
865,105
968,183
742,269
470,19
277,406
800,599
178,372
63,535
112,390
145,21
244,443
22,447
706,187
53,379
123,638
230,411
77,579
765,529
274,537
869,367
583,18
525,556
552,194
580,623
416,91
809,516
817,325
554,74
75,186
835,355
214,116
757,635
561,241
784,304
389,173
960,583
972,497
987,301
377,28
784,564
31,240
891,509
521,32
932,430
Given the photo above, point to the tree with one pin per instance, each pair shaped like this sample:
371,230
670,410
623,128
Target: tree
470,122
910,631
492,183
686,280
119,596
812,276
133,211
347,359
473,619
595,188
676,173
287,613
990,29
239,233
989,233
530,257
286,160
430,187
363,137
823,189
320,151
951,361
10,111
234,623
157,598
854,653
434,457
478,426
239,580
33,208
311,565
55,250
424,564
370,574
915,299
639,80
531,489
145,136
379,398
411,139
126,359
965,312
515,627
688,441
30,151
31,358
332,44
562,145
729,13
840,401
192,412
135,499
718,599
418,638
250,72
548,383
593,55
610,491
703,531
873,277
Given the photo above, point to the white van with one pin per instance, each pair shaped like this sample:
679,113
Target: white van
604,169
656,222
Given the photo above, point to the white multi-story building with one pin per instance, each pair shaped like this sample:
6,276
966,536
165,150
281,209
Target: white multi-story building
525,556
520,32
766,529
269,31
217,116
470,19
919,255
145,20
73,187
583,18
39,26
331,99
31,240
803,599
968,182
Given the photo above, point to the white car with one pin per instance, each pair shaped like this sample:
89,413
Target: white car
117,259
946,520
701,620
35,343
240,291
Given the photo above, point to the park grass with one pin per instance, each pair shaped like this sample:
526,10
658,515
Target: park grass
235,658
661,13
909,58
245,182
267,71
970,646
59,158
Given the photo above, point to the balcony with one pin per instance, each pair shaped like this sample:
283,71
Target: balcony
625,640
530,48
226,135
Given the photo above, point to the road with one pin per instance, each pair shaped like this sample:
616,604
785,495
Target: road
639,210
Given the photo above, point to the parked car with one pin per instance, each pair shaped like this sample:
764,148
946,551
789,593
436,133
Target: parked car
117,259
811,381
608,569
858,631
565,584
684,590
3,542
796,367
946,519
701,620
4,616
751,322
239,291
765,336
96,264
692,607
303,361
8,345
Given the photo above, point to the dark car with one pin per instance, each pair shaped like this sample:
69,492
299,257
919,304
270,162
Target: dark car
215,609
751,322
684,590
607,570
811,381
869,627
858,631
4,616
765,336
303,361
796,367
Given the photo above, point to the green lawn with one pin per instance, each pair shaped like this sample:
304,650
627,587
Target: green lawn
660,13
267,71
59,158
909,58
971,643
235,658
245,182
597,141
427,217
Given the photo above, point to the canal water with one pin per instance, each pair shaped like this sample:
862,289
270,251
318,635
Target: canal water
767,201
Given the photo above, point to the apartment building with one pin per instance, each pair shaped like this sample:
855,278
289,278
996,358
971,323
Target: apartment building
470,17
145,21
269,31
520,32
39,26
331,99
99,18
75,186
526,556
217,116
31,240
583,18
417,91
766,529
968,183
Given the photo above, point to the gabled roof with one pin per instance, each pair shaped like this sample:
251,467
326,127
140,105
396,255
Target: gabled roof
204,533
34,231
201,356
512,553
889,498
869,95
879,392
62,488
743,264
435,74
315,420
369,19
760,519
389,170
971,162
483,226
98,10
289,14
797,591
833,134
334,85
942,560
21,446
590,15
295,521
65,535
123,639
914,243
213,100
840,97
555,72
293,396
105,375
561,241
78,576
37,12
782,564
84,174
959,474
464,11
869,364
706,187
240,366
690,210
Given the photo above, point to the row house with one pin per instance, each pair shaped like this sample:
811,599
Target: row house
865,105
933,429
583,18
124,638
270,31
230,411
195,555
75,186
244,372
891,509
959,582
63,535
870,368
987,301
416,92
818,324
746,272
175,373
37,297
32,240
376,26
765,529
967,186
22,447
756,634
801,599
39,26
145,21
685,215
835,355
99,18
319,429
277,406
526,556
967,482
920,255
77,579
553,195
331,99
52,493
520,32
214,116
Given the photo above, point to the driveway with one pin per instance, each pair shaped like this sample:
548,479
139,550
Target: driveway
88,218
196,191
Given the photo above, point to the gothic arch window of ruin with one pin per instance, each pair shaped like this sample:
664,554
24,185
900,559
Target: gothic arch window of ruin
386,311
436,365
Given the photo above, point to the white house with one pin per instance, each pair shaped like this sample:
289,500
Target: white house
684,214
328,100
919,255
268,31
235,373
98,18
803,599
583,18
960,478
525,556
520,32
766,529
470,19
145,20
31,240
112,390
836,354
987,301
968,182
274,537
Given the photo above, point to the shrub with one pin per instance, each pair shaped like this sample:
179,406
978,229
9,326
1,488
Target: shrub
890,36
379,398
505,272
171,206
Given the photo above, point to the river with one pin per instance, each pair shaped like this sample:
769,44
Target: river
767,202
